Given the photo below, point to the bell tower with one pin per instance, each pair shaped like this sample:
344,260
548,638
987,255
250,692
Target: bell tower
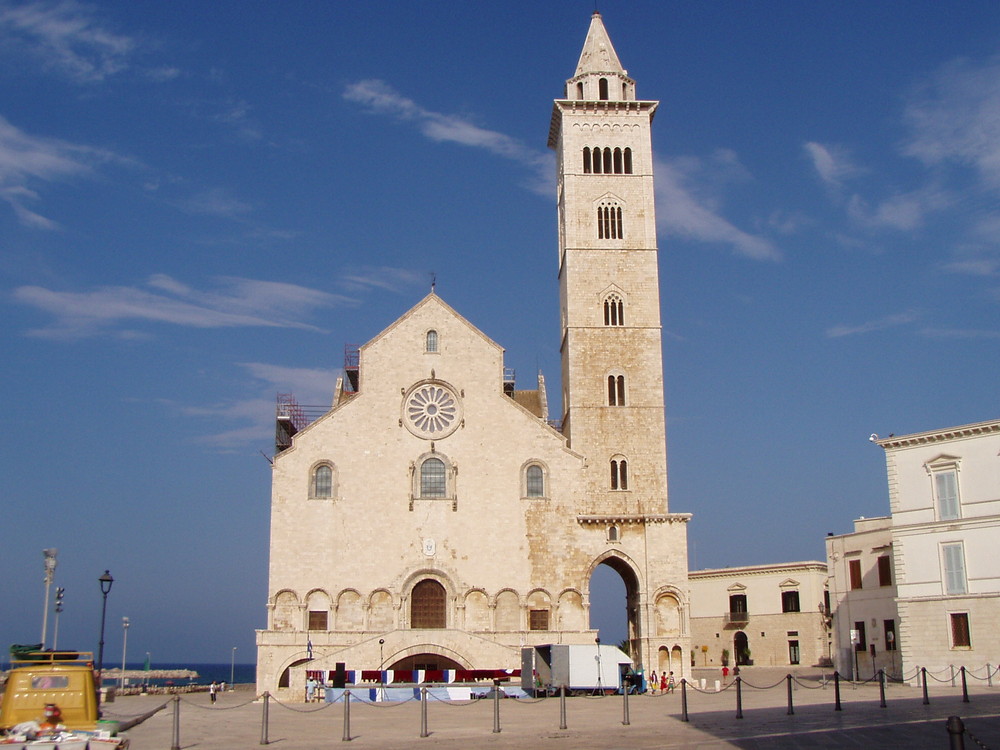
612,370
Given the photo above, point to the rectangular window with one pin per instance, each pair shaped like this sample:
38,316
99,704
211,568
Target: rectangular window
861,644
317,620
889,628
790,601
953,562
946,489
884,571
538,619
854,567
960,630
793,652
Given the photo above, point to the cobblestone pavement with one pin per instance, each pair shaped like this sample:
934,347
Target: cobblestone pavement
593,723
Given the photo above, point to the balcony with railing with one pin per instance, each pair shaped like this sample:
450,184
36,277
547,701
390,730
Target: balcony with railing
736,618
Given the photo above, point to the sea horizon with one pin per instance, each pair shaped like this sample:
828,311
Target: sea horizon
208,672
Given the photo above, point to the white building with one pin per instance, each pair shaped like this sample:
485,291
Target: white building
944,494
863,598
433,518
765,615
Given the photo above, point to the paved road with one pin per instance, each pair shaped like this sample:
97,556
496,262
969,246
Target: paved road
235,722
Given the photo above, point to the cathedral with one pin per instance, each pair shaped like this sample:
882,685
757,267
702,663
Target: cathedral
463,522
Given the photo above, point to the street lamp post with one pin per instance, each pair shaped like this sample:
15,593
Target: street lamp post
60,592
232,671
50,572
105,580
125,625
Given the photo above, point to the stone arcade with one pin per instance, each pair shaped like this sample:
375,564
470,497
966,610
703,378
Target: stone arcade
467,524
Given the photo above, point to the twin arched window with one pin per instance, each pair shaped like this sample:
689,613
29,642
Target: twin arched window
616,390
607,161
619,474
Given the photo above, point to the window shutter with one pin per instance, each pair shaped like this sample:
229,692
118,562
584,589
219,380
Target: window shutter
954,569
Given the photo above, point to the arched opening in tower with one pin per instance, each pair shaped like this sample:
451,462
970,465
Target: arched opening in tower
614,606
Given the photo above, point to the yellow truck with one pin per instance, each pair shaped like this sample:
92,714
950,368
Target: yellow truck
43,678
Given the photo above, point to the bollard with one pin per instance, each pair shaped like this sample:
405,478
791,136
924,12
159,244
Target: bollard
923,675
952,666
791,708
989,675
175,741
562,707
956,733
625,721
423,712
965,687
684,700
836,692
347,716
263,720
881,688
496,706
739,697
918,676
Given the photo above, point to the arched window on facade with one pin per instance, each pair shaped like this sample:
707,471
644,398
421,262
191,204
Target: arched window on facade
616,390
618,160
619,474
433,479
613,534
610,225
586,160
432,341
579,90
322,481
628,161
614,311
534,481
608,161
602,87
428,605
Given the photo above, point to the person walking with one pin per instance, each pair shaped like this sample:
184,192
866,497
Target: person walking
654,682
212,690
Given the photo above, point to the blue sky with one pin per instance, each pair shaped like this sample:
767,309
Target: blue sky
202,203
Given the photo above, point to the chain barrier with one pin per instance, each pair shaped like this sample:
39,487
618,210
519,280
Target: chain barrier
807,686
290,707
975,739
757,687
127,722
214,706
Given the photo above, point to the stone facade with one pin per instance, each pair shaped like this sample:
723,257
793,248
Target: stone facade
863,599
944,493
770,615
433,517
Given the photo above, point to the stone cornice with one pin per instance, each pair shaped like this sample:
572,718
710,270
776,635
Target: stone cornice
635,518
939,436
758,570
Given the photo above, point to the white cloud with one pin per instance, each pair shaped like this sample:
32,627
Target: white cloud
680,212
831,162
215,202
380,98
25,159
980,267
954,117
889,321
65,37
959,333
382,277
904,211
235,303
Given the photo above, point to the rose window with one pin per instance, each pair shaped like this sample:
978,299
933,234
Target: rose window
431,411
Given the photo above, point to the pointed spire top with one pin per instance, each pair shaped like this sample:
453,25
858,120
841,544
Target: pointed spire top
598,54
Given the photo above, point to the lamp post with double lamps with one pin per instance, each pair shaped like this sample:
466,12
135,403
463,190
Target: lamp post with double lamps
50,572
105,580
125,625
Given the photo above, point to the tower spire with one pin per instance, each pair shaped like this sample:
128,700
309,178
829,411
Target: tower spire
598,55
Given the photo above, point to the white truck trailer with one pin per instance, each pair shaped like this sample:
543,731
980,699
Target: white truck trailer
581,668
